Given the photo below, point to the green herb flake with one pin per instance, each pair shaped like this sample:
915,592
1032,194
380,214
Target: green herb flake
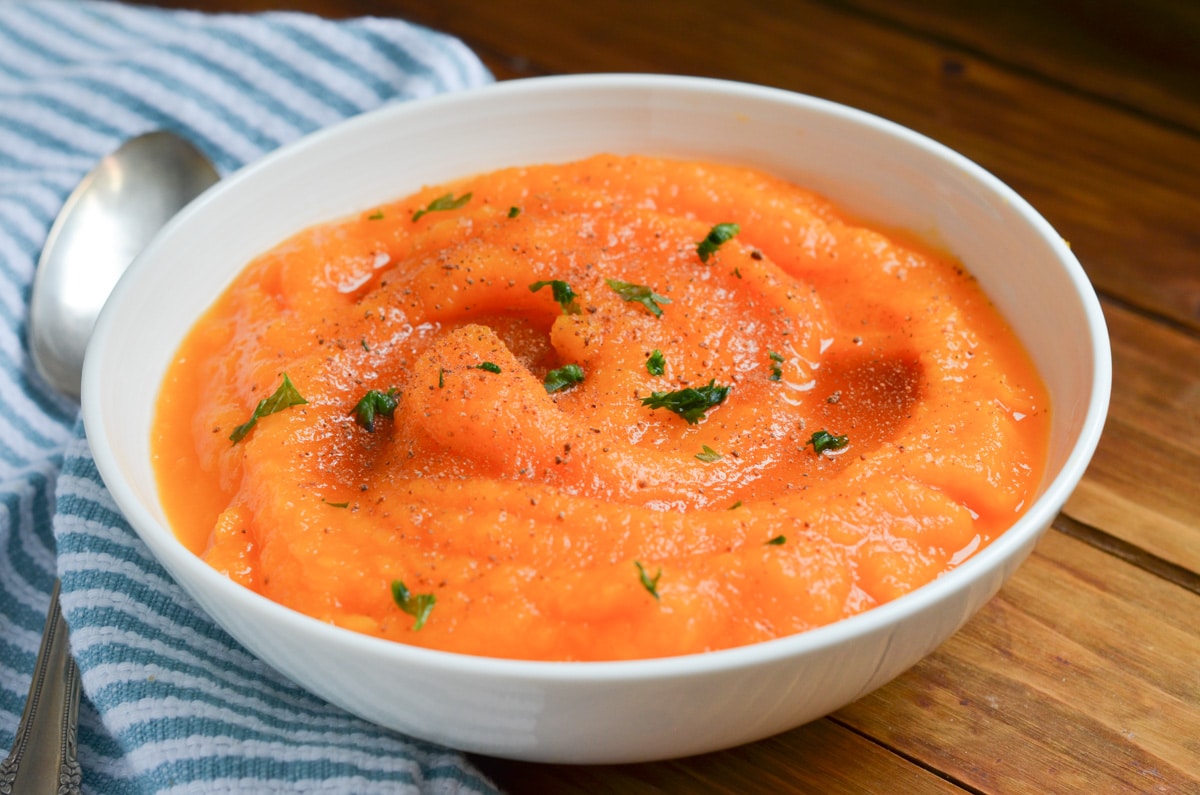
513,212
491,367
563,377
441,377
376,216
656,363
709,455
562,293
335,504
648,582
824,440
419,606
716,236
689,403
284,397
777,541
365,346
443,203
371,405
776,366
639,293
737,272
736,505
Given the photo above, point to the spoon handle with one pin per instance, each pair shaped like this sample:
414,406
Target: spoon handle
42,759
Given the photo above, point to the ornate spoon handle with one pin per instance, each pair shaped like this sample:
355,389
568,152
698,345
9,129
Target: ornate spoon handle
42,759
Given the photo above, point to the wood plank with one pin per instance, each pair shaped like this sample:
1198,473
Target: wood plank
1144,56
1080,676
819,757
1130,553
1143,485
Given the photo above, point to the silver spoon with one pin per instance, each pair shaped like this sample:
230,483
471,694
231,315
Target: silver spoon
106,221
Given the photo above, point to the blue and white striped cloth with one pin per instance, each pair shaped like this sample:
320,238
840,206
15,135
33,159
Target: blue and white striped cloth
172,704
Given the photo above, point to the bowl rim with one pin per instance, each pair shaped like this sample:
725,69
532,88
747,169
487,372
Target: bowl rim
1004,549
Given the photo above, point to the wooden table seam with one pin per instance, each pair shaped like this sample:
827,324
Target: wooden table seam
911,759
1129,553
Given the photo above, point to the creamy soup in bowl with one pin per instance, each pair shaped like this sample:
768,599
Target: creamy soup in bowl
736,366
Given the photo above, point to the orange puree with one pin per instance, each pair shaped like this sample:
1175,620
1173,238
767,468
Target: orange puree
581,524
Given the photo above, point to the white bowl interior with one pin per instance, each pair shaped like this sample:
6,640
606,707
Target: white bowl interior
599,712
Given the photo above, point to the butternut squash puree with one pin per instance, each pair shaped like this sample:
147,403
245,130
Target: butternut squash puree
524,512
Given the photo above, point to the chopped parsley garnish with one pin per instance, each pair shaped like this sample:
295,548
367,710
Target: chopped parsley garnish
375,216
491,367
513,212
656,363
824,440
639,293
689,403
284,397
709,455
441,377
442,203
372,405
365,346
648,582
562,292
737,504
563,377
776,366
777,541
716,236
335,504
419,606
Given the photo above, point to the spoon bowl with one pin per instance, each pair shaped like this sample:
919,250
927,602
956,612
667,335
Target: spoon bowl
109,217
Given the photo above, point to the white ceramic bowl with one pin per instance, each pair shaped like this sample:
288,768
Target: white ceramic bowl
609,711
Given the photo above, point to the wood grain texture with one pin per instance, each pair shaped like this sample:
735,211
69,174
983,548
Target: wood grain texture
1143,485
820,757
1142,56
1080,676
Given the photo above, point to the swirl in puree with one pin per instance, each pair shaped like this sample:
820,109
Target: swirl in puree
620,408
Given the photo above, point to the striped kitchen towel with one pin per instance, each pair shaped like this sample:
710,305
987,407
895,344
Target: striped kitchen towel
172,704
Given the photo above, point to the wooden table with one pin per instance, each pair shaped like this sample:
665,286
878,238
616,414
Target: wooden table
1083,674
